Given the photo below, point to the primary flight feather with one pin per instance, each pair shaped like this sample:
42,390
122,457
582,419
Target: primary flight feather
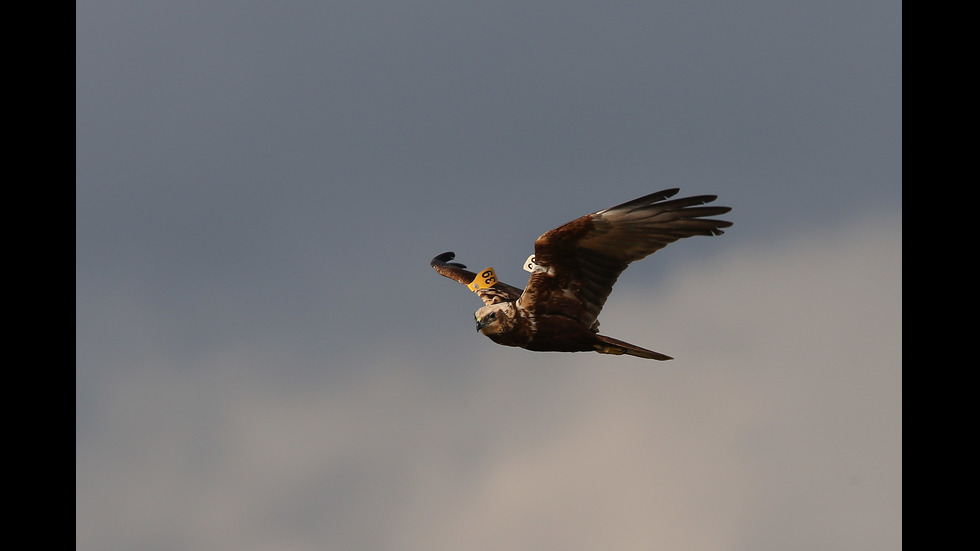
574,268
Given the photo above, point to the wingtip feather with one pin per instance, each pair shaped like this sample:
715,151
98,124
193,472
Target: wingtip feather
444,260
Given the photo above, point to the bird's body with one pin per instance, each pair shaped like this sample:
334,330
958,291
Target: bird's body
575,267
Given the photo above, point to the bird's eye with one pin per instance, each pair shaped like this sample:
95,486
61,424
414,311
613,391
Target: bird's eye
492,315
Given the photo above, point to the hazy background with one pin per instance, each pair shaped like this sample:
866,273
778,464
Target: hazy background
265,360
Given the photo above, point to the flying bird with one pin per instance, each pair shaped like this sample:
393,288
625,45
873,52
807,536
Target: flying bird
573,269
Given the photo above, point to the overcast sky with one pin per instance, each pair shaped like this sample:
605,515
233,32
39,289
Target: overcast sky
265,360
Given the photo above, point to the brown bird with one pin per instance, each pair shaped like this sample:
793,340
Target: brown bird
573,270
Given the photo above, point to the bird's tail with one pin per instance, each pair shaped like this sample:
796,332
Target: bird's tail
609,345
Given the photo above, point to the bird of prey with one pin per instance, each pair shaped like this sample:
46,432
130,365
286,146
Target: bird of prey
573,270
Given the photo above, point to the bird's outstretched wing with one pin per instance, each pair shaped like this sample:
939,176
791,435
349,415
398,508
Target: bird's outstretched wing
580,261
496,292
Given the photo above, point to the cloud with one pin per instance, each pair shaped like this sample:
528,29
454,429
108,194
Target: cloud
778,426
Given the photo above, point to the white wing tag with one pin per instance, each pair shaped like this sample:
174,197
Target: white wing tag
531,266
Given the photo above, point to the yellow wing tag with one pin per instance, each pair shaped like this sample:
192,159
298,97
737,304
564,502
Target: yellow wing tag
484,279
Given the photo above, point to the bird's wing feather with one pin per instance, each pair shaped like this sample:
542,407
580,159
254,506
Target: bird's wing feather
498,292
581,260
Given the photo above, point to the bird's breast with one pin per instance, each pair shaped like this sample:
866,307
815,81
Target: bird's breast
560,334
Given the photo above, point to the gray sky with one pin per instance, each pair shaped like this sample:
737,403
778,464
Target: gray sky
265,360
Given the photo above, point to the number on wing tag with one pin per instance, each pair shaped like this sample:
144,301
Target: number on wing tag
483,280
531,266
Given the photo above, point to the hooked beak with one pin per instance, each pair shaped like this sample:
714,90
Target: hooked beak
479,323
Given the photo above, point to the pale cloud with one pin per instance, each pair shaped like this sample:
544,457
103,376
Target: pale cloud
778,426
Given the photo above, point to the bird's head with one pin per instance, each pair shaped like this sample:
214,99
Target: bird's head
495,318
